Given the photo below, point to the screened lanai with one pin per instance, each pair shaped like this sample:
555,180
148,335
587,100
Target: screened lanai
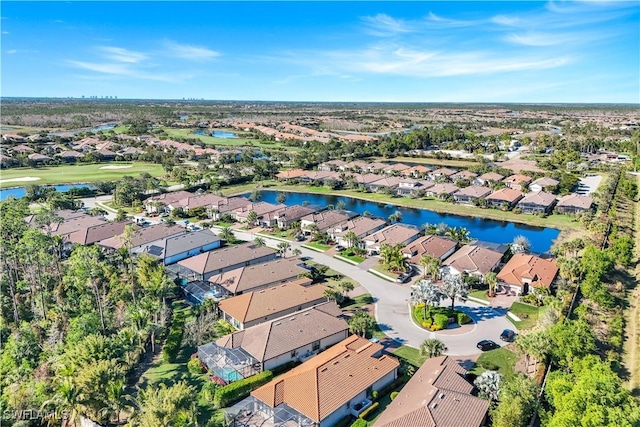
228,364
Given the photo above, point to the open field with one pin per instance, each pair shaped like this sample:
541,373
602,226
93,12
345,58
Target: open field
456,163
228,142
70,174
561,222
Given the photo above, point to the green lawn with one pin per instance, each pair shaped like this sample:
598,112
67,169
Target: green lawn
480,295
69,174
354,258
358,302
500,359
382,269
210,140
410,355
528,314
317,245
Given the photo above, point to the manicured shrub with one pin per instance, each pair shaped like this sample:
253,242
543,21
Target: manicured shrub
232,393
462,318
435,327
426,324
359,423
369,410
441,321
393,395
286,367
195,366
174,340
374,394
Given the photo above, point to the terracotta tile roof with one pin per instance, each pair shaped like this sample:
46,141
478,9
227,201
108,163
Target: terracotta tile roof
326,219
38,156
443,171
508,195
293,173
474,191
259,275
321,385
196,201
539,198
545,181
260,208
294,213
474,259
255,305
285,334
225,257
491,176
391,181
581,201
535,270
434,246
144,235
170,198
517,179
228,205
366,178
392,235
419,169
463,175
360,225
437,395
398,167
444,188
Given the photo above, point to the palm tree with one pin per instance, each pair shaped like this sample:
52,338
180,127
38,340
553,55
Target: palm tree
252,217
296,252
536,344
491,279
432,348
441,229
460,235
425,260
346,287
66,400
351,239
453,287
283,247
226,234
430,229
259,242
395,217
333,295
427,293
361,323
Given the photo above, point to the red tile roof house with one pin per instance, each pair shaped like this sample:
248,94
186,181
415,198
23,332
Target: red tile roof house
524,273
362,226
323,390
418,171
375,167
160,203
434,246
395,234
472,259
442,191
261,209
70,155
488,178
437,395
263,305
441,173
396,168
293,174
295,337
227,206
544,183
258,276
391,182
517,181
574,203
471,194
505,198
202,267
325,220
536,203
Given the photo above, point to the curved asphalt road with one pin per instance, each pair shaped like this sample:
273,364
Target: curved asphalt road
392,308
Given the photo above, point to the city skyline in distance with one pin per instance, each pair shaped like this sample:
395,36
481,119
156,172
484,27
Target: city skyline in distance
454,52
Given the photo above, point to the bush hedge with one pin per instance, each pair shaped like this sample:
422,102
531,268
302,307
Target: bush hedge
286,367
440,321
174,340
369,410
393,395
232,393
463,318
359,423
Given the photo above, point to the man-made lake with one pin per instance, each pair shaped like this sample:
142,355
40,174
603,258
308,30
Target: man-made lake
19,192
482,229
216,134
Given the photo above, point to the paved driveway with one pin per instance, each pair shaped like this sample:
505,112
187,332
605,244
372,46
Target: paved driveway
392,308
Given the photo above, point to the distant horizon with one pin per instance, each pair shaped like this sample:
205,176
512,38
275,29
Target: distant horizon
524,52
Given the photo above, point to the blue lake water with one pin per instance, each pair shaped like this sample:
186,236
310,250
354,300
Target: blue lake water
483,229
19,192
216,134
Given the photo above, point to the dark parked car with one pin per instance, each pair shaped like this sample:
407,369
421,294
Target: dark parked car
485,345
508,335
300,237
340,248
403,278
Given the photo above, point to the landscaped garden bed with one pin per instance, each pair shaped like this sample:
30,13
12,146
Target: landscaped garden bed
352,256
438,318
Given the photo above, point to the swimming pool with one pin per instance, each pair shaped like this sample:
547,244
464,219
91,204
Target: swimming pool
227,374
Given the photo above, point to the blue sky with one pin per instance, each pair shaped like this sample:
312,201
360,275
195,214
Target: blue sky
577,51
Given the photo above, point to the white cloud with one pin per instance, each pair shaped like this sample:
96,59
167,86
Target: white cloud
11,51
440,21
125,70
385,25
190,52
5,32
509,21
123,55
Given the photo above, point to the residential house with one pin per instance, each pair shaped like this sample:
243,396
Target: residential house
292,214
463,175
355,166
418,172
441,174
336,383
106,154
375,167
517,182
471,195
472,259
194,201
524,273
258,276
38,158
395,234
365,179
538,202
261,209
396,169
386,183
325,220
172,249
544,184
488,178
322,177
21,149
202,267
142,236
574,203
293,174
332,165
295,337
161,202
361,226
97,233
504,198
442,191
79,228
437,395
255,307
433,246
227,206
413,187
70,156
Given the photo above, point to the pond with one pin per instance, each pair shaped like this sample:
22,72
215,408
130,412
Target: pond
216,134
483,229
19,192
